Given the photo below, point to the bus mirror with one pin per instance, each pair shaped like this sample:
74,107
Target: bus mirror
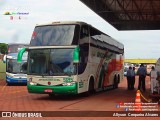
20,54
4,59
76,55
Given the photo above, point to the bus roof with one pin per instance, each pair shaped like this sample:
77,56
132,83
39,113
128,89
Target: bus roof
62,23
18,44
106,39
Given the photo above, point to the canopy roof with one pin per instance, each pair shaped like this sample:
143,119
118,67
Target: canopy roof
128,14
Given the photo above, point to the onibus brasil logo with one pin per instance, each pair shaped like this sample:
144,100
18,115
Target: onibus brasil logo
16,15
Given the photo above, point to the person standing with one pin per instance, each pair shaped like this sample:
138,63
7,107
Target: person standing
154,81
129,78
133,78
142,75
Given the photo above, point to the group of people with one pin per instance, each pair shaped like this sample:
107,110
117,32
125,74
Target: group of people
142,72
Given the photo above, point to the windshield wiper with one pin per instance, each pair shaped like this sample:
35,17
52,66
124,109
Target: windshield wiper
44,74
68,73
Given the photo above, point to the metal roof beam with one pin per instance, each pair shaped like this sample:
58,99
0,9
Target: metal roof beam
139,11
122,7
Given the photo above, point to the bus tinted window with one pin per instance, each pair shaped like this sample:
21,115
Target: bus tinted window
55,35
84,48
13,67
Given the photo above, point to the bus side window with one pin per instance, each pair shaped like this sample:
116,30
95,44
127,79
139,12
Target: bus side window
24,67
84,48
83,60
81,63
84,32
84,57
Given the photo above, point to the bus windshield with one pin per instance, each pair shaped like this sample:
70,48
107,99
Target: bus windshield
14,48
14,67
55,35
52,62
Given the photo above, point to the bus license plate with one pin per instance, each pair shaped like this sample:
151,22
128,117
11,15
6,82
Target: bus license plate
48,90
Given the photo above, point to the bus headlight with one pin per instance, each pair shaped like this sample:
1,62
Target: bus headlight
68,84
29,80
32,83
9,76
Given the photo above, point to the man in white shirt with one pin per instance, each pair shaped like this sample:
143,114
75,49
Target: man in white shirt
154,81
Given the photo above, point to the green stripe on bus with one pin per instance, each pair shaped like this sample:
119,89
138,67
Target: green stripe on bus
56,89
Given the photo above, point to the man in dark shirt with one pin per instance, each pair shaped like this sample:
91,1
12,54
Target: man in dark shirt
142,75
129,78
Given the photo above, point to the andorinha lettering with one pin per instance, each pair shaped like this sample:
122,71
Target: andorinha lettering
101,55
49,79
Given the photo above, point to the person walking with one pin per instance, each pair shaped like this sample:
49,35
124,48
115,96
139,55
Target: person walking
142,75
129,78
154,81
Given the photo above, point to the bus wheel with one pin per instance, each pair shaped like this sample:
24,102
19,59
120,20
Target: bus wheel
115,82
118,79
90,89
51,95
8,84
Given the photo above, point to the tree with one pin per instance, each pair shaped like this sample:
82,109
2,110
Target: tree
3,48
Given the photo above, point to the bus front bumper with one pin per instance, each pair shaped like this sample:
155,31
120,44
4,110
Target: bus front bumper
16,80
55,89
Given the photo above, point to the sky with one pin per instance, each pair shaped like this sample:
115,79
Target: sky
137,44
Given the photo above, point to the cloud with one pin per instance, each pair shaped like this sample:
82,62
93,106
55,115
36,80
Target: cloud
3,2
8,35
14,36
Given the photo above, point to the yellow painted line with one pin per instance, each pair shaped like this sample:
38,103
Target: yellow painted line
19,91
3,87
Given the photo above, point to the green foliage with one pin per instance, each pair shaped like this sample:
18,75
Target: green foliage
3,48
2,70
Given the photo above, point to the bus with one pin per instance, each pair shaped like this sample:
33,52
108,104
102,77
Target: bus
15,72
71,58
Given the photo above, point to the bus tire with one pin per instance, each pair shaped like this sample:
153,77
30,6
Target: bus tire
115,82
8,84
51,95
90,88
118,79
